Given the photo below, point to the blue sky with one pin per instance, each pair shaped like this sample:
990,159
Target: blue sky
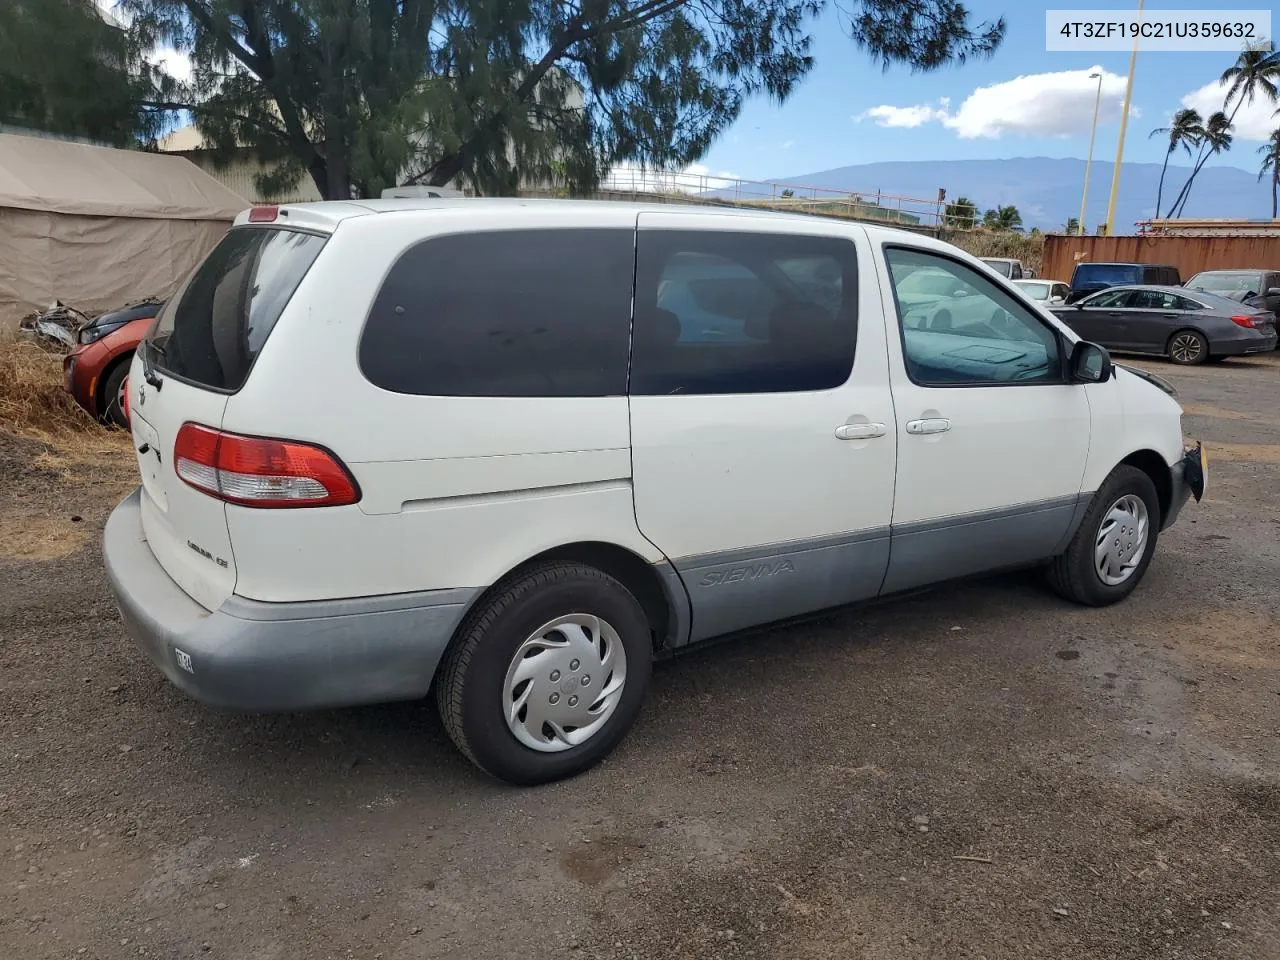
1046,113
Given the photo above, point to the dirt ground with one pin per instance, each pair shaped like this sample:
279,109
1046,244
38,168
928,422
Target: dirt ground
979,772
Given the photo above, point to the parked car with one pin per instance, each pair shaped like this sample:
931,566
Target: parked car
1008,268
1187,326
1256,288
512,469
95,370
1047,292
1089,278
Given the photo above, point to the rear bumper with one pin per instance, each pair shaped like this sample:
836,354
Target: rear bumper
1260,343
1188,481
249,655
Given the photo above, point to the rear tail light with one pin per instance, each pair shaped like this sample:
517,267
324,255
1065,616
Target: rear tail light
1254,320
261,472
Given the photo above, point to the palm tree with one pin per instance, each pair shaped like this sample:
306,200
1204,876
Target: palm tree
1072,227
961,212
1003,218
1217,139
1271,165
1256,71
1186,131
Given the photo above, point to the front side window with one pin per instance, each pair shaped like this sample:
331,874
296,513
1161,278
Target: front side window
960,329
512,313
722,312
1114,299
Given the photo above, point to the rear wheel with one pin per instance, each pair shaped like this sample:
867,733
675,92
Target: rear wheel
548,675
113,395
1188,347
1111,550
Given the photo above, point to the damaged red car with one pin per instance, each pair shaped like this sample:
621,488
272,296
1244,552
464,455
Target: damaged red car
94,371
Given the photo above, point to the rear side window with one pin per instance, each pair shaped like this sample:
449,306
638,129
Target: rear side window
520,313
211,330
722,312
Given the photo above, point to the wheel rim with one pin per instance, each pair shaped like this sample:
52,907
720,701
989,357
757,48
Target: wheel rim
120,391
1122,540
564,683
1186,348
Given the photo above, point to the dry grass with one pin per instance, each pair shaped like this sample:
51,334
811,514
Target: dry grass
988,243
32,400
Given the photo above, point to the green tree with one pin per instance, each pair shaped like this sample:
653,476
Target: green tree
1271,165
1072,226
361,94
961,213
1255,72
1002,218
66,69
1216,139
1186,131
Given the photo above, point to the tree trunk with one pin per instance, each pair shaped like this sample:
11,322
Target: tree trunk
1275,183
319,172
1186,186
1160,189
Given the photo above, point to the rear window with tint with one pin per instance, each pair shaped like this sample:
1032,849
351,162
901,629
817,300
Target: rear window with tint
511,313
1112,274
211,330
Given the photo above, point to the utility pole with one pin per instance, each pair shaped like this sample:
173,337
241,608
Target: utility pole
1124,125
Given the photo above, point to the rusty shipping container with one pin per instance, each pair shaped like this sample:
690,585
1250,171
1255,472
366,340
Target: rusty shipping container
1189,254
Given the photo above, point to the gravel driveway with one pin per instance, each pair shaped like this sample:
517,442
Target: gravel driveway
979,771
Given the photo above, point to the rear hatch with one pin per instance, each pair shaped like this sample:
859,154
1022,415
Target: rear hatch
197,355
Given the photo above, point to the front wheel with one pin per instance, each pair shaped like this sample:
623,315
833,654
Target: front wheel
1111,550
113,396
547,675
1188,347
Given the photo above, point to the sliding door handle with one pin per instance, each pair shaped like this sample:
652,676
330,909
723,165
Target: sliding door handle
934,425
860,431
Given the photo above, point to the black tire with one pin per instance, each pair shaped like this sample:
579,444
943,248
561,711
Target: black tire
111,410
471,678
1072,573
1190,359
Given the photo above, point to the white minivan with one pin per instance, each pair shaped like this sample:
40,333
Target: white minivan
512,450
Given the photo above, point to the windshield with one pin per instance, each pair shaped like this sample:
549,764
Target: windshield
1036,291
1106,274
1227,283
1002,267
210,332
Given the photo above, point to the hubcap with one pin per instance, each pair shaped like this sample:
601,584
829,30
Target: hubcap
1186,348
564,683
1122,540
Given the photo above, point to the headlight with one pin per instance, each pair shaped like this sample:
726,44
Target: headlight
91,333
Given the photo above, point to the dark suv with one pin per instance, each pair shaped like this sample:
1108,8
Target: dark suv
1091,277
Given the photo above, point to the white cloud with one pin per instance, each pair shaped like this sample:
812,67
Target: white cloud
1255,121
908,117
788,145
1038,104
177,65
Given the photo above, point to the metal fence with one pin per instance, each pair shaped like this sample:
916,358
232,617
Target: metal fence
1189,254
888,208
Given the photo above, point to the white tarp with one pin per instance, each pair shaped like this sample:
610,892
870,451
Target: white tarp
96,227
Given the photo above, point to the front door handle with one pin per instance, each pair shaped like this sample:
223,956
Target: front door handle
933,425
860,431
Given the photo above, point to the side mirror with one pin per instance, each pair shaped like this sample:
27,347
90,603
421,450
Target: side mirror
1090,363
1272,292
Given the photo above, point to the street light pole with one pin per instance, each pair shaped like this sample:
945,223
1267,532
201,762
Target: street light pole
1124,125
1088,164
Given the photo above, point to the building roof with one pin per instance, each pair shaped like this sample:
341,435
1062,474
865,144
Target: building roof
57,176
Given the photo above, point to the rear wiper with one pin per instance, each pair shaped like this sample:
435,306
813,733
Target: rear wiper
148,371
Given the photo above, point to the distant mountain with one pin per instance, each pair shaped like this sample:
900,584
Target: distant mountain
1047,191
